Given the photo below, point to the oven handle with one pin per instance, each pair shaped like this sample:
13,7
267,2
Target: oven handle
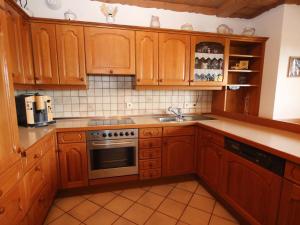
95,144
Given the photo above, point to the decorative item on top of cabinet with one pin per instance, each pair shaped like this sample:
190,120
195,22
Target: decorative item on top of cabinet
70,15
174,59
110,51
209,57
71,54
155,23
45,53
9,138
146,58
109,12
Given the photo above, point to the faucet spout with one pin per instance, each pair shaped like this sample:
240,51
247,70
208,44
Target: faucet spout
177,111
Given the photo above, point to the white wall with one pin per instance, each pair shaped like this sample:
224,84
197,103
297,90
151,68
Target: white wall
87,10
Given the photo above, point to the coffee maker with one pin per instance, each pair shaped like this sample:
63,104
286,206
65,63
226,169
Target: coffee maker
34,110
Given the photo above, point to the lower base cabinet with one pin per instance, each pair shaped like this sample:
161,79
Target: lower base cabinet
289,204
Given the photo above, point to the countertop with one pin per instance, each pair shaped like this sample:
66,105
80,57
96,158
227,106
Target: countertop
279,142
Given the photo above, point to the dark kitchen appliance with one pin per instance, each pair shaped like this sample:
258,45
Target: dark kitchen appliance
112,153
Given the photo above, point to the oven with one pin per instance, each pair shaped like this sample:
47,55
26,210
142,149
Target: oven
112,153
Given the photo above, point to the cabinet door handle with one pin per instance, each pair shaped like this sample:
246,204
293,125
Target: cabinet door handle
16,149
37,78
191,80
36,156
38,168
82,78
160,80
111,71
138,80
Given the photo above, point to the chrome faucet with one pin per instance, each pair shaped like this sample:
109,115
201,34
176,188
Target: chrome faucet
177,111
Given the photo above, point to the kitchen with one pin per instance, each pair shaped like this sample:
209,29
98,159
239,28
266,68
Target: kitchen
149,112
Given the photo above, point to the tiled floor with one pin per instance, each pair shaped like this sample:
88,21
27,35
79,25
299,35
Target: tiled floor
183,203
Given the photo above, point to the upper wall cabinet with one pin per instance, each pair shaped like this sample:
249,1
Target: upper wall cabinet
174,59
110,51
14,37
208,56
71,54
45,53
146,58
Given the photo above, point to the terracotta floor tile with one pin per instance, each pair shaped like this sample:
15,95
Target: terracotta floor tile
202,202
53,214
161,219
119,205
138,214
188,185
122,221
102,217
171,208
202,191
151,200
180,195
195,217
220,211
133,194
215,220
65,219
163,190
68,203
84,210
102,198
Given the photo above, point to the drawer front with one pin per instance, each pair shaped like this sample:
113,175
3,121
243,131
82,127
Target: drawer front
49,143
150,174
292,172
150,143
13,206
71,137
33,155
149,164
213,138
178,131
34,182
151,153
150,132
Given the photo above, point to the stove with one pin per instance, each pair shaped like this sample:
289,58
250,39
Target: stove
117,121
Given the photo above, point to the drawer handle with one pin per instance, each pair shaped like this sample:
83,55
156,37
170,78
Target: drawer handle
111,71
150,165
2,210
36,156
38,168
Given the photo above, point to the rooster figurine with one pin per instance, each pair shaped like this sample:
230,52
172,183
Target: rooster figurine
109,13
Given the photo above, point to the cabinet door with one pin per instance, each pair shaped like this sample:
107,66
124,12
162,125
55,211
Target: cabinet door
71,54
252,190
9,132
27,56
174,59
289,213
73,165
44,53
49,166
178,155
146,58
109,51
15,54
209,57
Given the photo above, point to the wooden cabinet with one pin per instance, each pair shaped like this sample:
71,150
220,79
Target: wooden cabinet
50,167
14,36
146,58
110,51
178,155
289,213
71,54
9,138
174,59
45,53
71,137
73,165
27,57
252,190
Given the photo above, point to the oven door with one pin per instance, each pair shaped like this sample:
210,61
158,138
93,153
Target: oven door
112,158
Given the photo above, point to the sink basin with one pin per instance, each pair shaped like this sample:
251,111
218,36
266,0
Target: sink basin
185,118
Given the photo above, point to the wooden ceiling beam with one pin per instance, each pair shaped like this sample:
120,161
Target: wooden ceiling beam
230,7
165,5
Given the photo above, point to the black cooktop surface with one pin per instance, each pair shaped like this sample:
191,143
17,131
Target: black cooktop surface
100,122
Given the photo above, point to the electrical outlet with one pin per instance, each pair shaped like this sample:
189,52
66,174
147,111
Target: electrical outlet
129,105
189,105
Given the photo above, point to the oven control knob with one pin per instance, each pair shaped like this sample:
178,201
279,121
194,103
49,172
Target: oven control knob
104,135
116,134
132,133
126,133
110,134
121,134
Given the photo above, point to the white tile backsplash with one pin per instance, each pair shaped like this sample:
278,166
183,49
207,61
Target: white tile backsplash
109,95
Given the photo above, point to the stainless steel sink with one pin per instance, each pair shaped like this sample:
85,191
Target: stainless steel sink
185,118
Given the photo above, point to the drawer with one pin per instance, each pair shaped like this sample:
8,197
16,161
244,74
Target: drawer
150,174
151,153
13,205
149,164
71,137
150,132
292,172
150,143
34,182
10,178
178,131
32,156
213,137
